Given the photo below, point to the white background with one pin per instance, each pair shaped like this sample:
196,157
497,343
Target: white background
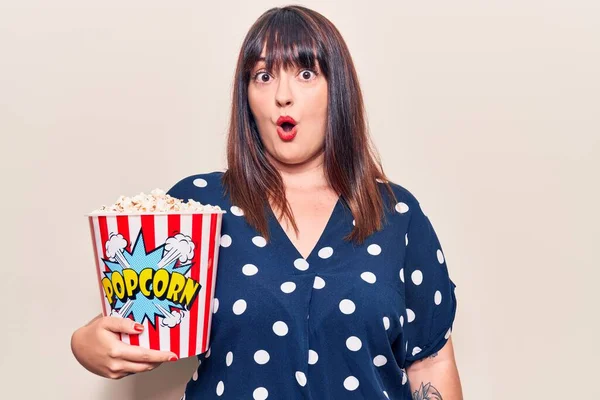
486,111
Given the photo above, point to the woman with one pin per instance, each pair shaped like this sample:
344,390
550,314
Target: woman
331,280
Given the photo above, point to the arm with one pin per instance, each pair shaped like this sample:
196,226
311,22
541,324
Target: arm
436,377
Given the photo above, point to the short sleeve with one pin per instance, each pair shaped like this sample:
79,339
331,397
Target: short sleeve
181,190
205,188
429,292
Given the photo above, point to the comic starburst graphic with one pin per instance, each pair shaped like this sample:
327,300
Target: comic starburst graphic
139,306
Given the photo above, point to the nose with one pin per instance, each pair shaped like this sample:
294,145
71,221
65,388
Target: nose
283,95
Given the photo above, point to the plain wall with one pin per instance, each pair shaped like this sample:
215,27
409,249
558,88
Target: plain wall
486,111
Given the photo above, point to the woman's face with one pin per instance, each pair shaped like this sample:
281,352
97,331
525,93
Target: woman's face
299,93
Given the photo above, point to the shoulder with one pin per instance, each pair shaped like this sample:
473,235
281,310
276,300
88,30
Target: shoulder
206,188
405,199
407,210
410,214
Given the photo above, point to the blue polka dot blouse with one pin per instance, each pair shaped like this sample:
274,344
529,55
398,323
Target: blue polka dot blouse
344,323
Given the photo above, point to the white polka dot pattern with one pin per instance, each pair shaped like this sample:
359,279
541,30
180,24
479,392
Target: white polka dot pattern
288,287
261,357
313,357
280,328
235,210
379,361
301,264
287,319
417,277
351,383
440,256
368,277
260,393
353,343
239,307
301,378
319,283
225,241
326,252
347,306
374,249
249,269
402,208
259,241
201,183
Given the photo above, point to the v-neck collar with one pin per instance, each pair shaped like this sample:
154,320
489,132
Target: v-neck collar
286,241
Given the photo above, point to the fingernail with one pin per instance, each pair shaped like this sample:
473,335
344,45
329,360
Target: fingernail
173,358
138,327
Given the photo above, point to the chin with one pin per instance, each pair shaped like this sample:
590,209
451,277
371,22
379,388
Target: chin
291,159
290,156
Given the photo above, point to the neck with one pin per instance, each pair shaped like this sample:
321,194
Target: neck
309,174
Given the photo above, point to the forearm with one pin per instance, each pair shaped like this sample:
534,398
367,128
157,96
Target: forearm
435,380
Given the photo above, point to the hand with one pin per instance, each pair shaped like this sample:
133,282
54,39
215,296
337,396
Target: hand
98,348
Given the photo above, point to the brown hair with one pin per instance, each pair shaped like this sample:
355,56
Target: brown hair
295,36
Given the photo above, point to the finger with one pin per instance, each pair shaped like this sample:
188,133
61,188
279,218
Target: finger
135,368
141,355
118,369
122,325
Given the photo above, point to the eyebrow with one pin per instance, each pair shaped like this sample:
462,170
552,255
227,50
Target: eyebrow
263,59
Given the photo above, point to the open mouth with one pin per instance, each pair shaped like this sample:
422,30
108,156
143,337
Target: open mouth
287,126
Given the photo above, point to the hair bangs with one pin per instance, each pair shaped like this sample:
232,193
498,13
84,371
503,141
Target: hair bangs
287,41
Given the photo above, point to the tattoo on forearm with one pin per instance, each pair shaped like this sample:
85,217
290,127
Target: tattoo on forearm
427,392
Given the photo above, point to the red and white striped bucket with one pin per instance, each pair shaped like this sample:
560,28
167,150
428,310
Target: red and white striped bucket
159,269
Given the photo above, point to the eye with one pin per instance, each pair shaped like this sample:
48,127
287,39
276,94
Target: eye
306,74
259,77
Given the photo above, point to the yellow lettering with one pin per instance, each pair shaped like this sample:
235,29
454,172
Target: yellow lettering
160,283
175,286
108,289
145,277
190,291
131,282
118,285
151,283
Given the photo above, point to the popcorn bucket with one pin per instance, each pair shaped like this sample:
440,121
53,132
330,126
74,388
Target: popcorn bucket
159,269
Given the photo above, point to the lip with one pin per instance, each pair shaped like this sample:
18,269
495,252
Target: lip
287,136
286,118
